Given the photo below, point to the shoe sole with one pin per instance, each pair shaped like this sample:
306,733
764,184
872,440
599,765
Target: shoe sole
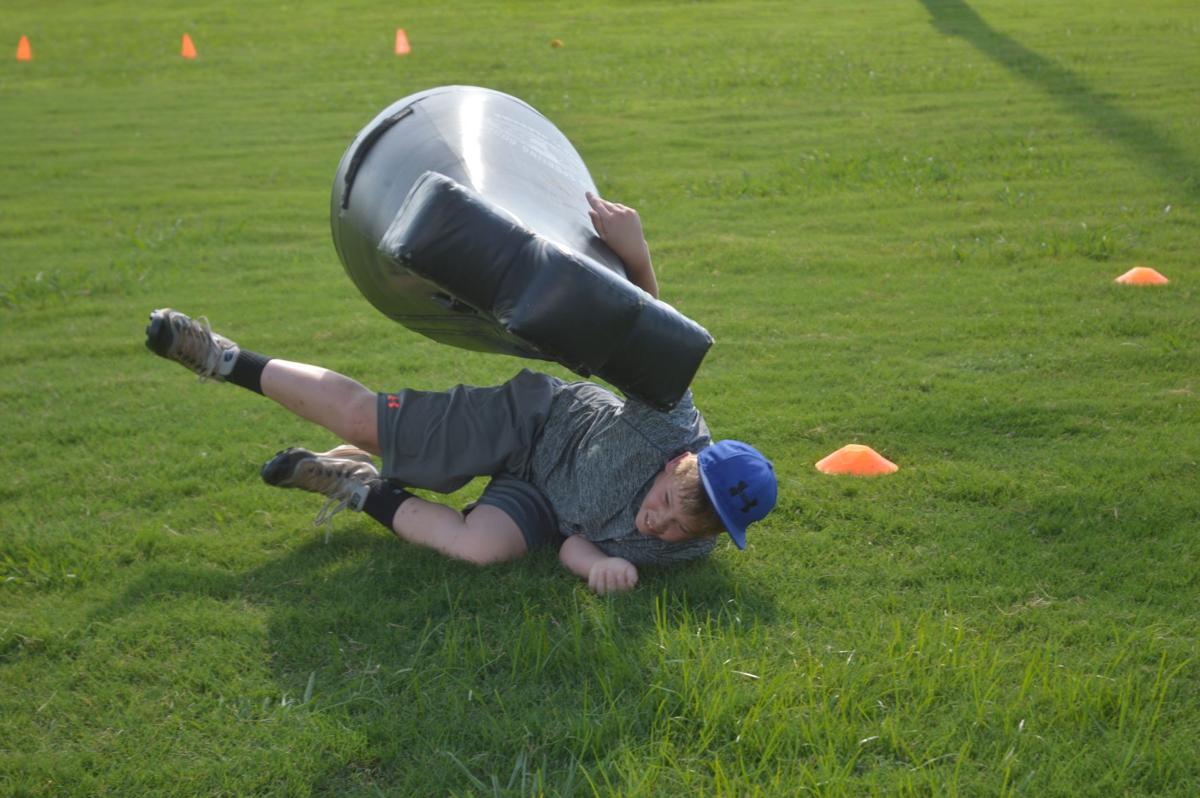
158,338
279,468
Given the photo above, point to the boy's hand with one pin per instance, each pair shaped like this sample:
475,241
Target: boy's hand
621,228
612,575
604,574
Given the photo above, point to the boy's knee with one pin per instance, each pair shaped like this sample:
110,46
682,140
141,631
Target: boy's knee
481,557
480,548
486,540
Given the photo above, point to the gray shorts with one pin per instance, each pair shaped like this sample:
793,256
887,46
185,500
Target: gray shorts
441,440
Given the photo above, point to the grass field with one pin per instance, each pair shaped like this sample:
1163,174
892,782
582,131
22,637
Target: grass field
900,220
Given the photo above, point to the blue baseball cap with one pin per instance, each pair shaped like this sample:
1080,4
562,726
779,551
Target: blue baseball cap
740,482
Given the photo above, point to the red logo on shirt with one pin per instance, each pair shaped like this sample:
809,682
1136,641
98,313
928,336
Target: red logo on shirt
393,401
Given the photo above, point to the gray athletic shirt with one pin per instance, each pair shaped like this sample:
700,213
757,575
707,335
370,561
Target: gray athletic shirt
596,460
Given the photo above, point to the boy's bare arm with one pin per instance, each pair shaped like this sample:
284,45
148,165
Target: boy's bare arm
621,228
604,574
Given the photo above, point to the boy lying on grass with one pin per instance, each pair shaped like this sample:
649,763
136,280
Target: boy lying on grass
614,484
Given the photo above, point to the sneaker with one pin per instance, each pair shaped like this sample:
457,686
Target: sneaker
343,475
190,342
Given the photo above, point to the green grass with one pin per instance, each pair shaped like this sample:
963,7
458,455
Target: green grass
900,220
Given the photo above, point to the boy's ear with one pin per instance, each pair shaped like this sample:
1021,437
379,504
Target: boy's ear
676,460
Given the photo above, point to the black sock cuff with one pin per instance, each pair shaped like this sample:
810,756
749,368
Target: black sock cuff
383,500
247,370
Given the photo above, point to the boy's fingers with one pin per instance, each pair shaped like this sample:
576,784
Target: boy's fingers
597,222
604,206
607,578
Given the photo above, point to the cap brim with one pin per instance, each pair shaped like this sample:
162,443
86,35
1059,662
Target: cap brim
736,532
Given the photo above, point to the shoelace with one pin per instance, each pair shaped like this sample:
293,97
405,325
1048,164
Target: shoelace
341,496
198,350
325,515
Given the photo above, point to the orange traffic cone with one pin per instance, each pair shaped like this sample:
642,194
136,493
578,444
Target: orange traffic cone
402,47
858,460
24,51
188,50
1142,275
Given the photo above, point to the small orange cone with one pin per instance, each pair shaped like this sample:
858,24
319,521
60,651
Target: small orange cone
402,47
1142,275
856,459
188,50
24,51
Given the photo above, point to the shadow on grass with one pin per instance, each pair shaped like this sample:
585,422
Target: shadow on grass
957,18
455,676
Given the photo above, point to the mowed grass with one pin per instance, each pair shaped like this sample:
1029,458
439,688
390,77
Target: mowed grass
901,222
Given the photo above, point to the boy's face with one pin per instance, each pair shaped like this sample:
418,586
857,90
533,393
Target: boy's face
661,514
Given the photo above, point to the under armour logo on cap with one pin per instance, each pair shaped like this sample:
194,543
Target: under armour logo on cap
741,484
738,490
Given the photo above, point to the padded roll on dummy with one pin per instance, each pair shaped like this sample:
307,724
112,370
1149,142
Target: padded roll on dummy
459,212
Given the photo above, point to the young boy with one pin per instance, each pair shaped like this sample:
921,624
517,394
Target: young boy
614,484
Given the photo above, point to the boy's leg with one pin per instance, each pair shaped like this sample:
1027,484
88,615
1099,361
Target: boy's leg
339,404
438,440
335,402
487,533
510,518
484,535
